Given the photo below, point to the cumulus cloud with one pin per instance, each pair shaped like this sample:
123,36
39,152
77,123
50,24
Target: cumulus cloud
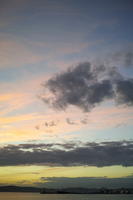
85,86
69,154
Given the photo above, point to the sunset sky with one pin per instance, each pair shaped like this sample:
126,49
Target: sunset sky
66,93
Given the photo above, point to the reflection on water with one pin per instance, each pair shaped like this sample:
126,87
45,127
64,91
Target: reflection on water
36,196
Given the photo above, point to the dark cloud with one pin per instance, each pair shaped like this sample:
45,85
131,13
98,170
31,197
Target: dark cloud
69,121
50,123
124,90
86,182
85,86
46,124
69,154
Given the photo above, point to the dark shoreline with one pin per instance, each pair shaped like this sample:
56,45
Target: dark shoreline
126,191
87,191
13,188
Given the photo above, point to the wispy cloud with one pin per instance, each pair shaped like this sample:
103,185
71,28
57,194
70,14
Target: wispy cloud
13,101
14,53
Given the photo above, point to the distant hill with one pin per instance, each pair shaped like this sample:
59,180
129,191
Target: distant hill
18,189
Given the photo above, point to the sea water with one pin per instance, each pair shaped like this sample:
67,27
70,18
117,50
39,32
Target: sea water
37,196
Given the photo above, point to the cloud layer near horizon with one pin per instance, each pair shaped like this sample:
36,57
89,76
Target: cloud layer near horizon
85,86
68,154
90,182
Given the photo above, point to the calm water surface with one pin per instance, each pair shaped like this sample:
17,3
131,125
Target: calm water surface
36,196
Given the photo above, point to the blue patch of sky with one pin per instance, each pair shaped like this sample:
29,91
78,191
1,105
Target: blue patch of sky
25,72
121,132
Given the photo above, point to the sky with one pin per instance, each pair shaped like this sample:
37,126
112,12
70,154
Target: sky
66,93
